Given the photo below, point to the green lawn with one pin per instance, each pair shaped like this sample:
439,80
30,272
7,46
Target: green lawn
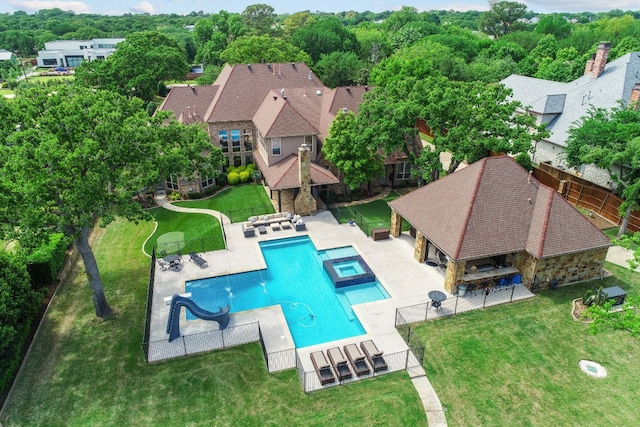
82,371
517,364
189,232
376,214
237,202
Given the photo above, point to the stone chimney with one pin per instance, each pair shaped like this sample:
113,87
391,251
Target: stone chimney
600,61
634,99
304,203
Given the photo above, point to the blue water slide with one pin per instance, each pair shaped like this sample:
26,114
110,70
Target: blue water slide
177,302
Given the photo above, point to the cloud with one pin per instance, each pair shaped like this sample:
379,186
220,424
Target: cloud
35,5
143,7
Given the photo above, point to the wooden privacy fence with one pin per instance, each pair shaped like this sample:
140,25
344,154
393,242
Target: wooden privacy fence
586,195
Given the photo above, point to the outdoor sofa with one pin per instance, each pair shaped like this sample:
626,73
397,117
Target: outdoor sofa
284,219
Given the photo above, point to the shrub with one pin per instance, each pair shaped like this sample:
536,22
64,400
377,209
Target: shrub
222,180
18,307
44,263
231,169
233,178
251,167
195,195
241,168
524,160
245,176
597,298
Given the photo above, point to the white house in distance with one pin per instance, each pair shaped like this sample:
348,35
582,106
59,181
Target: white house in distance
561,105
70,53
5,55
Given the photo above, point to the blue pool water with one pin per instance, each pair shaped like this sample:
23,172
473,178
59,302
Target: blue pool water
348,268
315,311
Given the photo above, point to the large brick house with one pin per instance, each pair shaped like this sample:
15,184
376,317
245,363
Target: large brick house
561,105
494,215
263,114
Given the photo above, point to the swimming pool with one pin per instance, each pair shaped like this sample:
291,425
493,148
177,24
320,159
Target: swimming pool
315,311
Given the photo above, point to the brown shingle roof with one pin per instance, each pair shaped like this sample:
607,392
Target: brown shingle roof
285,173
282,117
243,87
189,103
493,207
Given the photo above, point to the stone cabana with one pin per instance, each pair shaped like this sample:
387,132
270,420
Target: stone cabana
493,220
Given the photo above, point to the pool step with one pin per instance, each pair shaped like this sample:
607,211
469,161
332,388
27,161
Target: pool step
346,305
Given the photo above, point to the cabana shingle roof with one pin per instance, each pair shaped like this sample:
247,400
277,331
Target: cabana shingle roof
494,207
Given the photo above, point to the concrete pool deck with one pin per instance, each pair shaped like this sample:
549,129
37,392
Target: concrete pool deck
406,281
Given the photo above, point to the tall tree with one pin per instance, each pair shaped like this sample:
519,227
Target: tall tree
325,36
340,69
73,155
257,49
260,18
355,159
137,65
503,18
610,139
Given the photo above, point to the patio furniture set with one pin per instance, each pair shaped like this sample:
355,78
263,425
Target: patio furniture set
173,262
356,360
277,221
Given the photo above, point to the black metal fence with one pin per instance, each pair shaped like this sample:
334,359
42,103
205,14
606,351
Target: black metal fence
458,304
345,214
185,345
402,360
147,319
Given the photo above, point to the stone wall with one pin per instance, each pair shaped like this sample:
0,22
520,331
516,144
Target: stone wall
569,268
214,128
454,275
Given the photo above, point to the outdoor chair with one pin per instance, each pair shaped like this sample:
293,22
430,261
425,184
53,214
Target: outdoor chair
340,363
516,279
374,356
163,264
357,359
200,262
322,368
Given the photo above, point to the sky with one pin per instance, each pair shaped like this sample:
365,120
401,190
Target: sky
183,7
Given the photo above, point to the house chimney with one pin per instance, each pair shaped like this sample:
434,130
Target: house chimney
304,203
601,59
589,66
634,99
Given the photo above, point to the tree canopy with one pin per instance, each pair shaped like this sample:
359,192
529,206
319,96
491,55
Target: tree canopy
73,155
137,65
325,36
503,18
260,49
353,157
610,139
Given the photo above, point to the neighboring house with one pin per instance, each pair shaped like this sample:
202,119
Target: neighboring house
5,55
561,105
264,114
493,213
70,53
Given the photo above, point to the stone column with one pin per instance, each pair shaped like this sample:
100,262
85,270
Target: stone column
454,275
305,204
420,248
396,224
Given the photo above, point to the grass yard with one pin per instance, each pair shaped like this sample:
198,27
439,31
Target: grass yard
517,364
193,232
237,202
376,214
83,371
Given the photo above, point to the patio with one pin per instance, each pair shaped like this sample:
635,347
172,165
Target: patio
406,281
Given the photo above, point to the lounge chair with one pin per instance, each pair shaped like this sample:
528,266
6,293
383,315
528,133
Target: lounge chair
322,367
339,363
201,262
374,355
357,360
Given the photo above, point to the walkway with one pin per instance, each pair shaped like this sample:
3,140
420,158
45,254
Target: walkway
161,200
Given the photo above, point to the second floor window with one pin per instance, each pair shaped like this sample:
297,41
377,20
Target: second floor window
224,140
235,140
275,146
